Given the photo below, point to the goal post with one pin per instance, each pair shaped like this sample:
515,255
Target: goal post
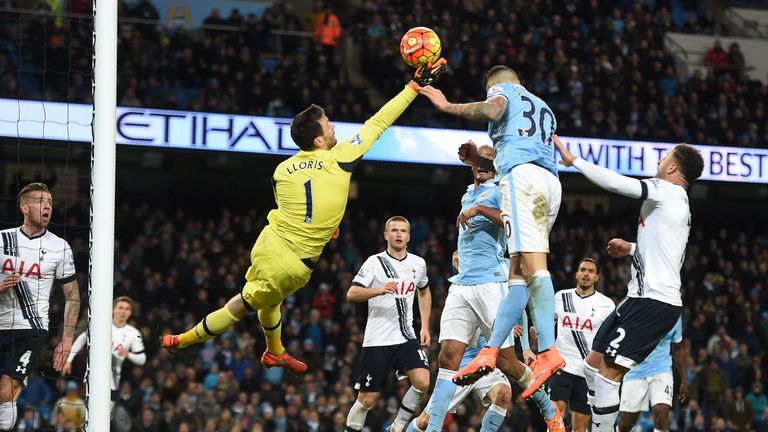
102,214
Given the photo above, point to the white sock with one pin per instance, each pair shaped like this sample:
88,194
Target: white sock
658,430
589,377
411,402
606,407
356,416
8,414
526,378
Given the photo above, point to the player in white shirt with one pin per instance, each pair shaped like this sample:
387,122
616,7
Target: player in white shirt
579,312
388,281
651,383
127,343
33,259
653,302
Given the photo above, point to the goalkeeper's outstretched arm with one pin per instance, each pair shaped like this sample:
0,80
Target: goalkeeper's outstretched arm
371,131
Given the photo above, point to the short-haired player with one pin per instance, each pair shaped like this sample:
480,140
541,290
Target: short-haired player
389,281
579,311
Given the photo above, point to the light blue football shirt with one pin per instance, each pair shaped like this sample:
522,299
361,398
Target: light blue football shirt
660,360
481,245
524,133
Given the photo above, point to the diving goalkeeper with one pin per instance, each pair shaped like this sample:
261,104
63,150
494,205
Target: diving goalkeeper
311,190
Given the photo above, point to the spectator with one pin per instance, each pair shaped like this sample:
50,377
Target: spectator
716,59
738,411
709,384
70,410
36,394
758,400
328,32
736,61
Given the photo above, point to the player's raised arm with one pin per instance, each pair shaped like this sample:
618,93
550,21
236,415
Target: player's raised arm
357,146
603,177
489,110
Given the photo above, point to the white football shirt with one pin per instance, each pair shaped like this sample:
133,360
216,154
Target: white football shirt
127,337
390,317
578,319
662,235
39,260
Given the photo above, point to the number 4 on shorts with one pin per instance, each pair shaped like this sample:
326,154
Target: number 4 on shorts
23,362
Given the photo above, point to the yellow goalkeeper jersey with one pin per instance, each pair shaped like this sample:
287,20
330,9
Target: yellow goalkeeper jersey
312,187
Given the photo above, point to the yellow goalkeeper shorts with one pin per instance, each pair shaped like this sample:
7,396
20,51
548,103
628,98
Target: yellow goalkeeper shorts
275,272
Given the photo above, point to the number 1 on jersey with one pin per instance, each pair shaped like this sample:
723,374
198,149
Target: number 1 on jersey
308,193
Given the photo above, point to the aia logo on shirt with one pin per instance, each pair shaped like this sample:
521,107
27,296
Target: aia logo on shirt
404,288
15,265
577,323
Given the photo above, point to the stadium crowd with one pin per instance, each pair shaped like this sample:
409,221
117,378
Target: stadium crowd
601,65
178,264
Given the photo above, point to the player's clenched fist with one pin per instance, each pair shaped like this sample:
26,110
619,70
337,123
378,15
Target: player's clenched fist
9,282
468,153
388,288
618,248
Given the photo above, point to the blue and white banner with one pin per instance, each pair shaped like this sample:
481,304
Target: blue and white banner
271,135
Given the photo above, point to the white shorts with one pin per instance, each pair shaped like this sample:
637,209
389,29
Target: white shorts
482,387
469,308
530,202
639,395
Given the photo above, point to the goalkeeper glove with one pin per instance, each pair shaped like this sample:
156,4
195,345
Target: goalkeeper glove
427,74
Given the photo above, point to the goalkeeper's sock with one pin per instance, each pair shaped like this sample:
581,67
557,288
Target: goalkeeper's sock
211,326
271,322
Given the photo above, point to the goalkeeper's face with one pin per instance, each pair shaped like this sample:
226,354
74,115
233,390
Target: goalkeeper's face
37,209
329,134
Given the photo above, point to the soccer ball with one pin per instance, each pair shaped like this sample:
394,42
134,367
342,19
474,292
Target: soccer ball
420,45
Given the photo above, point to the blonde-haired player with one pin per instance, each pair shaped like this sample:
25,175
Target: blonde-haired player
127,343
311,189
389,281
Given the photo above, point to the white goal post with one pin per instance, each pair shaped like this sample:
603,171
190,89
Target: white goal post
102,214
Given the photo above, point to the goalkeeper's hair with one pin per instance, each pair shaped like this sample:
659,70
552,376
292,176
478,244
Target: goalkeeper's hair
306,126
507,72
689,161
32,187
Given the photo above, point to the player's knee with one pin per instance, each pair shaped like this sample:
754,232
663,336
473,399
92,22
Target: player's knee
661,417
421,384
6,392
367,400
503,396
625,424
449,359
423,421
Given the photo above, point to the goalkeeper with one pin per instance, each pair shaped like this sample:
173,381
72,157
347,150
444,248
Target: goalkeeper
311,190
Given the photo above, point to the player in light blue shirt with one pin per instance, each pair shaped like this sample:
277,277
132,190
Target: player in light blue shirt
651,383
524,132
481,240
474,298
521,126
